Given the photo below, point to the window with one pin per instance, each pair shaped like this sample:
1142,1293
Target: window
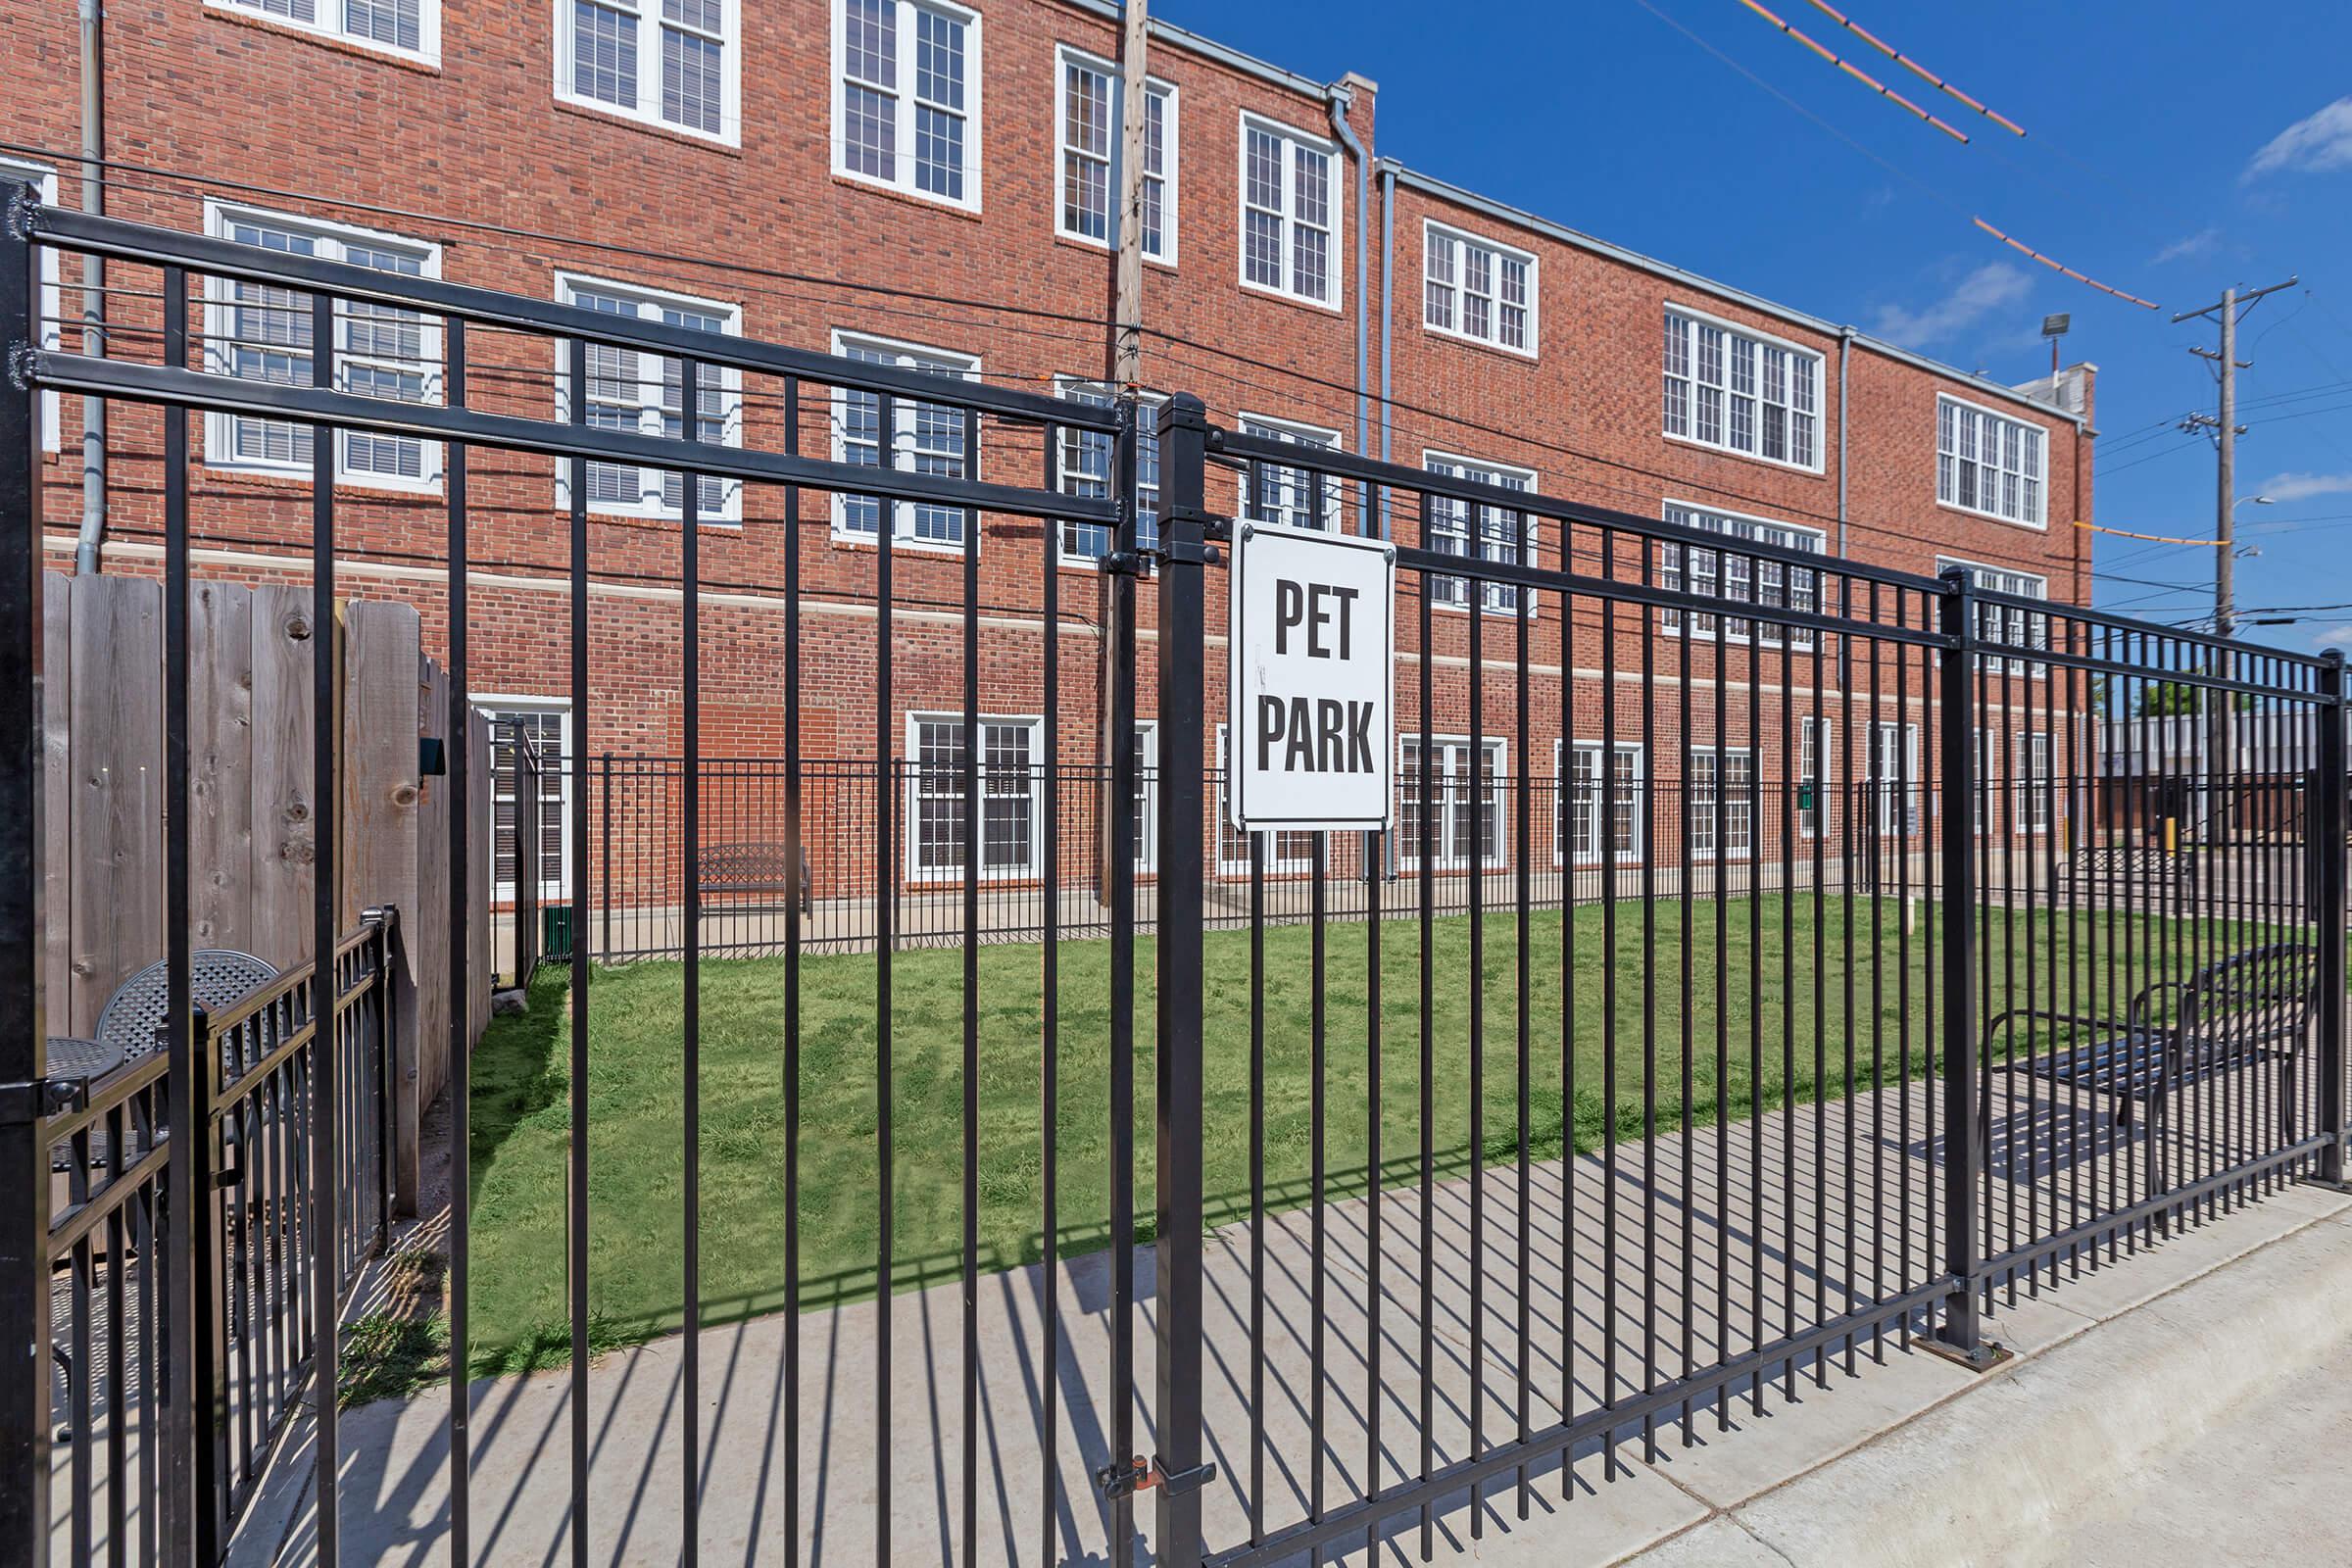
1145,839
1476,289
1817,773
1894,782
1739,578
1723,786
906,97
929,435
643,393
1279,494
1290,212
1500,533
1086,470
2008,625
263,332
1458,807
1988,463
2030,782
1088,117
407,28
1744,393
939,816
1576,830
52,324
1287,854
545,723
669,63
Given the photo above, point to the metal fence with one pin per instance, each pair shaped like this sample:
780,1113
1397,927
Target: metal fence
1884,1008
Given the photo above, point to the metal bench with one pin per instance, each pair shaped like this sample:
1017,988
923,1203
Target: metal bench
735,870
2114,867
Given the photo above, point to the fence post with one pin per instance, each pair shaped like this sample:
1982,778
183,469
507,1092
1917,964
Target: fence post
1961,1336
2328,833
1183,441
24,1054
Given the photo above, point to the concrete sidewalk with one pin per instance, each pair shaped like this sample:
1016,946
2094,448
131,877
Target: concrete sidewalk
1787,1221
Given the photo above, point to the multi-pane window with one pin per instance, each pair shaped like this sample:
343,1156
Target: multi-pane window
1476,289
1738,577
1726,388
2029,781
1721,803
1285,852
1583,799
265,332
667,62
544,728
1087,457
926,437
1089,120
1462,812
398,26
1816,770
1989,463
1277,493
2008,625
1143,837
1894,781
1290,213
644,394
1478,530
941,814
906,97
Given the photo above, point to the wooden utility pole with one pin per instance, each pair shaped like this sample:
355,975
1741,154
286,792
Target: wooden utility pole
1123,368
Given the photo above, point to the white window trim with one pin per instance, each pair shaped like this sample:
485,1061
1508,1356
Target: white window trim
1721,756
1335,495
2029,668
915,875
498,705
1064,57
731,382
1146,730
220,428
648,111
1409,844
903,185
1676,627
900,438
1063,386
1337,271
2041,517
1228,836
43,181
428,29
1564,800
1821,394
1531,537
1461,237
2035,791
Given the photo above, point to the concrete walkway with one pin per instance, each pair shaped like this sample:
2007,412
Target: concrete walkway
1779,1220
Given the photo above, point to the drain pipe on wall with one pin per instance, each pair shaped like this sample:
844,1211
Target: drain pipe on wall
1845,349
93,539
1388,412
1339,97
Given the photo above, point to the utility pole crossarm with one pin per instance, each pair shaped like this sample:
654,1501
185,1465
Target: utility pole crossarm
2247,298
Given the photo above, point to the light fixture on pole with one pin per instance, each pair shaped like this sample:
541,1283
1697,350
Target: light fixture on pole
2055,327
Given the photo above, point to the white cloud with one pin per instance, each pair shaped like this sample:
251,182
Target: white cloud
2188,246
2285,488
1989,288
2336,637
2316,143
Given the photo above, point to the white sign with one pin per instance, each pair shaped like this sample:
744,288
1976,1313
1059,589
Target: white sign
1310,723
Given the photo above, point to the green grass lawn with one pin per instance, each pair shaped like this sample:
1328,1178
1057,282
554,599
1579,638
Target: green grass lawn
635,1089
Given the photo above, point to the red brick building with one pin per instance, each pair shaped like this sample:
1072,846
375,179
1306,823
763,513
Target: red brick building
925,181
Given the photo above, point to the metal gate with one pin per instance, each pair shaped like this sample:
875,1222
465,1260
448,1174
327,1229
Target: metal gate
1617,1089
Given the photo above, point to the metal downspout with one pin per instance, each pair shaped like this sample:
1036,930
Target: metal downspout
91,541
1388,412
1845,349
1337,99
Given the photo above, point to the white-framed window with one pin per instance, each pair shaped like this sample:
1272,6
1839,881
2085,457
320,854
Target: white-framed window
1085,469
1479,531
1582,799
1276,493
939,816
546,723
1739,578
1894,781
2007,625
926,437
263,332
1290,203
51,328
1464,812
408,28
1287,853
676,64
1144,840
906,97
2030,782
1734,388
1989,464
1723,802
1476,289
1817,773
1087,107
643,393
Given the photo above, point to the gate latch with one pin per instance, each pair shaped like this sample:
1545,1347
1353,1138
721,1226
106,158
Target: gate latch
1117,1480
22,1104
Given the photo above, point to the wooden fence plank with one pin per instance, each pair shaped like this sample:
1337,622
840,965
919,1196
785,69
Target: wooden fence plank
220,764
117,741
284,827
57,802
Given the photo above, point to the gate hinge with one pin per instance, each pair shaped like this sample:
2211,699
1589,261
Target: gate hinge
1116,1480
22,1104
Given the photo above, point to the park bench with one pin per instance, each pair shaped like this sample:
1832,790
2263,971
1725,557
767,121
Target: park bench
2115,870
749,870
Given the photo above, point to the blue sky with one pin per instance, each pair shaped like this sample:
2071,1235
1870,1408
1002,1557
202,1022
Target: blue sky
2172,150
